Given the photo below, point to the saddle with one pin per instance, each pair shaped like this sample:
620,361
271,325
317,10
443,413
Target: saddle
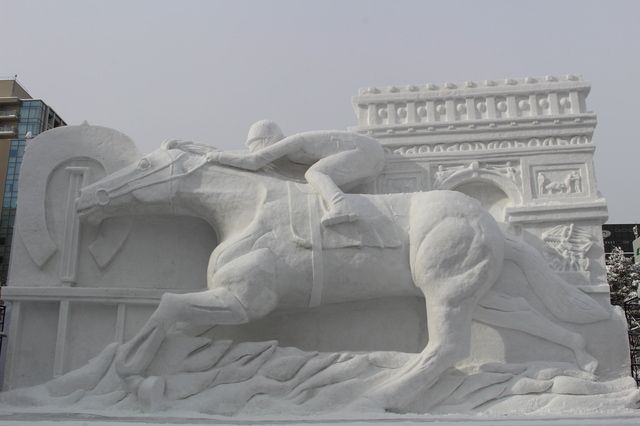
373,228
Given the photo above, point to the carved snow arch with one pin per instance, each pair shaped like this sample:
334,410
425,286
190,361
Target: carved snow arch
470,175
487,187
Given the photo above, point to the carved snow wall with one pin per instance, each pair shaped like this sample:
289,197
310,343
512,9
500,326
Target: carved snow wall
73,288
523,147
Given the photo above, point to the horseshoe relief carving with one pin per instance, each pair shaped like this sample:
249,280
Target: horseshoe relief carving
109,148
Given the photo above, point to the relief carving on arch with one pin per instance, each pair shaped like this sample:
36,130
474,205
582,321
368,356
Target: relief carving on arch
509,169
552,183
444,172
569,247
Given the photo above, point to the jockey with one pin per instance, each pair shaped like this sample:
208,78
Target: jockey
338,161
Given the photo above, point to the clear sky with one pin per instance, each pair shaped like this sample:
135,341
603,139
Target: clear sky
205,70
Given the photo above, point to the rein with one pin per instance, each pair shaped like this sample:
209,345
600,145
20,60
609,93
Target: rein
127,187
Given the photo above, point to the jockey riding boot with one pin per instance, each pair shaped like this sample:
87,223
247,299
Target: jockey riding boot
339,212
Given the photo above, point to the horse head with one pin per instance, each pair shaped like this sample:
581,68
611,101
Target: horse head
145,187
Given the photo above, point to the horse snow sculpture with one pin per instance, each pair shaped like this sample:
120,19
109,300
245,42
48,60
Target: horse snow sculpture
274,253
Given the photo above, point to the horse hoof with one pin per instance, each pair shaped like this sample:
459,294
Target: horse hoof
151,393
587,362
134,356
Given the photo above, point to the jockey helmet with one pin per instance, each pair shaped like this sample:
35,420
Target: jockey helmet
265,131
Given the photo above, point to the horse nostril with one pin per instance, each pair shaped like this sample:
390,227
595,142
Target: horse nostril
102,197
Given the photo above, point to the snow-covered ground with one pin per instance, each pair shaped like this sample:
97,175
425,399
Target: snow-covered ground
87,419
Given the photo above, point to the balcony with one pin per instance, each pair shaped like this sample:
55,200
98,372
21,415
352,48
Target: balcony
9,100
8,115
7,131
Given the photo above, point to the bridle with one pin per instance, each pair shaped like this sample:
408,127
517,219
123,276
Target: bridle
104,196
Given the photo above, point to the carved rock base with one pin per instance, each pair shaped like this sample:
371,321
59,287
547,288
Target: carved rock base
198,375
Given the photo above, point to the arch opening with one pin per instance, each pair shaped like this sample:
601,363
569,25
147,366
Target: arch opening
492,198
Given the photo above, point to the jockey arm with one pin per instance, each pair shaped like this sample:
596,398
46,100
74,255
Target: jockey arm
256,160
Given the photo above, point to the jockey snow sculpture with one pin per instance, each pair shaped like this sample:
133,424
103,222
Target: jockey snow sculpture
338,161
272,254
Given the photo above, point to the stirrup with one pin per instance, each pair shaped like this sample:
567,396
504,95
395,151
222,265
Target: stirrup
330,218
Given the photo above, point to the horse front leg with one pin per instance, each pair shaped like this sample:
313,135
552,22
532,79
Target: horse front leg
241,291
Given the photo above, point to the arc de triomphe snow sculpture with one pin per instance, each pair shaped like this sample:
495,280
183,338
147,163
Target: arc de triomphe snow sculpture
543,335
524,148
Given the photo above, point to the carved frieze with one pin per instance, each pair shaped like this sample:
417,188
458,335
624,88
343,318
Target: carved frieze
444,172
509,169
568,183
503,169
569,246
530,143
558,181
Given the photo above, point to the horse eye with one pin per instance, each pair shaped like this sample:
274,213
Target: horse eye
144,164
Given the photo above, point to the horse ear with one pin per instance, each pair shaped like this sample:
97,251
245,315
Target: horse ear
172,144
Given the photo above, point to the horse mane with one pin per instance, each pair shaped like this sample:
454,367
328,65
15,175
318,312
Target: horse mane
189,147
272,170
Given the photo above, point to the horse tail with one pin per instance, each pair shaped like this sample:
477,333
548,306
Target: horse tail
565,301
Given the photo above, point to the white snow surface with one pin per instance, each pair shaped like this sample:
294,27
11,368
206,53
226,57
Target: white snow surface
42,418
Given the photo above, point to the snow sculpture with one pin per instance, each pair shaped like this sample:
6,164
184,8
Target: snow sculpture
275,257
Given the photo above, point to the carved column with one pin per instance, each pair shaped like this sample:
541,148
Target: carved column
69,259
574,98
411,113
431,111
391,114
533,105
491,107
471,109
372,114
512,108
450,110
554,106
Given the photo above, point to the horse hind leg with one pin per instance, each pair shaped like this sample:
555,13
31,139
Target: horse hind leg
516,313
456,262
